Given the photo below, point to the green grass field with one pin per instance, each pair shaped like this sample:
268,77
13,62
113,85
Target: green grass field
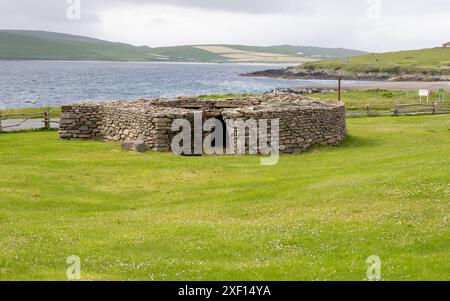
157,216
428,61
377,98
54,111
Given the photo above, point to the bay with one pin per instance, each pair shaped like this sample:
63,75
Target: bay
44,83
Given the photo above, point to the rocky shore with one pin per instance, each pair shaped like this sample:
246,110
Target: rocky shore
301,90
325,74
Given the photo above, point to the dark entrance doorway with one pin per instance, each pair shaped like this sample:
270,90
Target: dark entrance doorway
223,143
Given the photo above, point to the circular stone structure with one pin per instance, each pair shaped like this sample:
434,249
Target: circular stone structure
302,121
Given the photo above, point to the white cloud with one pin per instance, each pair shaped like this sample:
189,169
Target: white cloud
402,24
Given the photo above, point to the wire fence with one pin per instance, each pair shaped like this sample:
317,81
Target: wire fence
399,109
21,121
48,119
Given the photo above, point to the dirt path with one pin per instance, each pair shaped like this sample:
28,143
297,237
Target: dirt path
393,86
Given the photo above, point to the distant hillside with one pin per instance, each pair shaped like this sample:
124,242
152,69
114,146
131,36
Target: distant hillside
434,59
306,51
413,65
40,45
37,45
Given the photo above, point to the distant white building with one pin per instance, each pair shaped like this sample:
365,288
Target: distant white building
446,45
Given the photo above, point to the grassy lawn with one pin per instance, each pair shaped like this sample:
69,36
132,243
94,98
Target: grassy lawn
157,216
54,111
380,99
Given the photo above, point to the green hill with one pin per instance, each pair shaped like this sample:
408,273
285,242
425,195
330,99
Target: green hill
35,45
435,60
413,65
40,45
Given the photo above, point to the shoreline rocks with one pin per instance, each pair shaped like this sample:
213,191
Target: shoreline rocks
301,91
325,74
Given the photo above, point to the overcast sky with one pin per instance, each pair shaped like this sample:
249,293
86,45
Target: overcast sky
373,25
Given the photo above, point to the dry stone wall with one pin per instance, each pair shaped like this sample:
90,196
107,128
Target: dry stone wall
303,122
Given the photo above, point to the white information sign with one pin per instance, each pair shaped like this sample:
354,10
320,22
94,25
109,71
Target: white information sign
424,93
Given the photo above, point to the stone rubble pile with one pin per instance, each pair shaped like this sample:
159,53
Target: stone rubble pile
299,90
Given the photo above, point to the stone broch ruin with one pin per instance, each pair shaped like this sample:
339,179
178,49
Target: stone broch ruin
303,122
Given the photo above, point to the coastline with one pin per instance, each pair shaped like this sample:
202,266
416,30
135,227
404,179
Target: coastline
327,74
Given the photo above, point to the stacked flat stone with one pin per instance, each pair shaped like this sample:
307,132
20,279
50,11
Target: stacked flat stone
303,121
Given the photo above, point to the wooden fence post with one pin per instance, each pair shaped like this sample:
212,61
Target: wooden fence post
368,110
339,88
435,108
47,120
397,108
1,121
